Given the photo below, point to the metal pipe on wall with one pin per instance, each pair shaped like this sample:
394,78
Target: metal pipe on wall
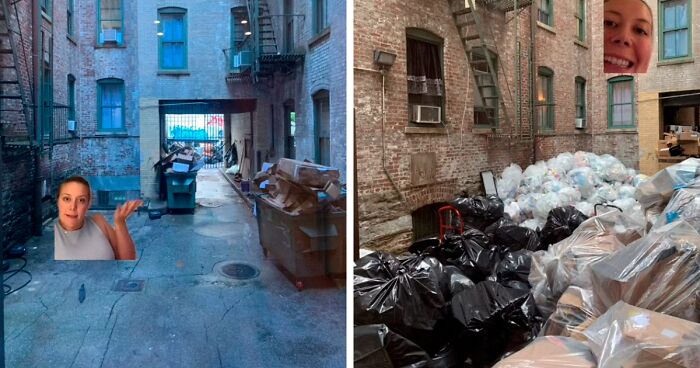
37,56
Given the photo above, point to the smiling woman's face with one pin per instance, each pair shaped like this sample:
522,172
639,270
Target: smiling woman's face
628,36
73,203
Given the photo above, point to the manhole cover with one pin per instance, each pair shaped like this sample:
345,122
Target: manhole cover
128,285
237,270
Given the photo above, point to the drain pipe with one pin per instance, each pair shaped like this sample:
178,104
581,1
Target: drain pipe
38,113
386,172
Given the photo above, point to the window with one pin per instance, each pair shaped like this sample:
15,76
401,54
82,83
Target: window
173,41
69,18
239,27
545,12
110,22
621,102
581,98
581,20
545,98
71,97
46,6
486,98
675,35
424,74
46,78
110,102
320,15
290,127
288,26
322,127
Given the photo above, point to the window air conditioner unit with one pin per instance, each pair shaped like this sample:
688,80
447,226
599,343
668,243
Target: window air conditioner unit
425,114
580,123
243,58
71,126
110,35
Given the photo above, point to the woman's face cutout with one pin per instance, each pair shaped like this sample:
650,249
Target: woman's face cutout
628,29
73,203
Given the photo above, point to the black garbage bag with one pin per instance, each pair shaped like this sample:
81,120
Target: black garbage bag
515,284
514,266
426,244
408,298
503,221
510,238
470,253
561,223
479,212
376,266
496,319
377,346
455,281
447,357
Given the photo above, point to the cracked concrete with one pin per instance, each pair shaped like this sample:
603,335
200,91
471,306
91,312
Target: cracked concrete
187,315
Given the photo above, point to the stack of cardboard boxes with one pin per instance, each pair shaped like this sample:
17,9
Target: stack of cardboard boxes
687,141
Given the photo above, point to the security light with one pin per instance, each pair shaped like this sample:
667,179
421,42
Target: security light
248,33
156,21
159,33
244,21
383,58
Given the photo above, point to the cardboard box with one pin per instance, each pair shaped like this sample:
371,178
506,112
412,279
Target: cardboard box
661,144
664,152
307,173
551,352
689,136
690,148
180,167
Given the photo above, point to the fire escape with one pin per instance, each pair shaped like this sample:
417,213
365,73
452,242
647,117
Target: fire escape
483,56
260,54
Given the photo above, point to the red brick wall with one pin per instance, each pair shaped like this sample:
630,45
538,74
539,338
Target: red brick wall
462,153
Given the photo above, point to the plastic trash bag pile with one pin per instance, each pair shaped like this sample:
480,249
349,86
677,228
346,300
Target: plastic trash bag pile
582,180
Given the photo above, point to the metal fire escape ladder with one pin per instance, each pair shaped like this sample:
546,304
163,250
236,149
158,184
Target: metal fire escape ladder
264,42
474,40
10,75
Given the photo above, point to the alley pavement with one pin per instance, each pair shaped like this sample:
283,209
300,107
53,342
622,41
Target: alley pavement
187,314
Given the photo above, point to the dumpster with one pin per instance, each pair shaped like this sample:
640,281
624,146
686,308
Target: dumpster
306,246
181,189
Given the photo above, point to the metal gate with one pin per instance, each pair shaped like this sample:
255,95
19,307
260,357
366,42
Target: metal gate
203,132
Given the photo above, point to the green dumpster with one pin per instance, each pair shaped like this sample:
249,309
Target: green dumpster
181,189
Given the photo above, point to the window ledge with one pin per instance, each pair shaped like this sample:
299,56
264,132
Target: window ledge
625,130
425,130
483,130
46,17
109,46
580,43
121,134
174,72
683,60
546,27
72,39
546,133
317,39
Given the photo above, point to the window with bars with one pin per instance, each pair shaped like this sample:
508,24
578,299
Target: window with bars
621,102
675,28
172,48
545,98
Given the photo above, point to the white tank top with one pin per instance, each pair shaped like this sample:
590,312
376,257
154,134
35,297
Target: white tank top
86,243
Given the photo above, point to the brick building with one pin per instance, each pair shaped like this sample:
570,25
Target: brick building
669,94
274,71
548,51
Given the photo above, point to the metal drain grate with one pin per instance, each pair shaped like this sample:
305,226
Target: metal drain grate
128,285
237,270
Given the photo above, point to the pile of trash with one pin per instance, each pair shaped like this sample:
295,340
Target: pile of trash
179,159
581,179
604,291
301,187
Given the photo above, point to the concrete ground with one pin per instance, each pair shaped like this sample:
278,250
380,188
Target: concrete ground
187,315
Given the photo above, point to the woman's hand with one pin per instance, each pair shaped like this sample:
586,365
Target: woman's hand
125,210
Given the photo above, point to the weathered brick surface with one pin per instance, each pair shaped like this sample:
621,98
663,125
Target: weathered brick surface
462,153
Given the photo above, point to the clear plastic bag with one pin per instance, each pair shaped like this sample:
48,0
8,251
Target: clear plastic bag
684,205
629,336
509,182
534,176
660,272
584,179
554,270
658,189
